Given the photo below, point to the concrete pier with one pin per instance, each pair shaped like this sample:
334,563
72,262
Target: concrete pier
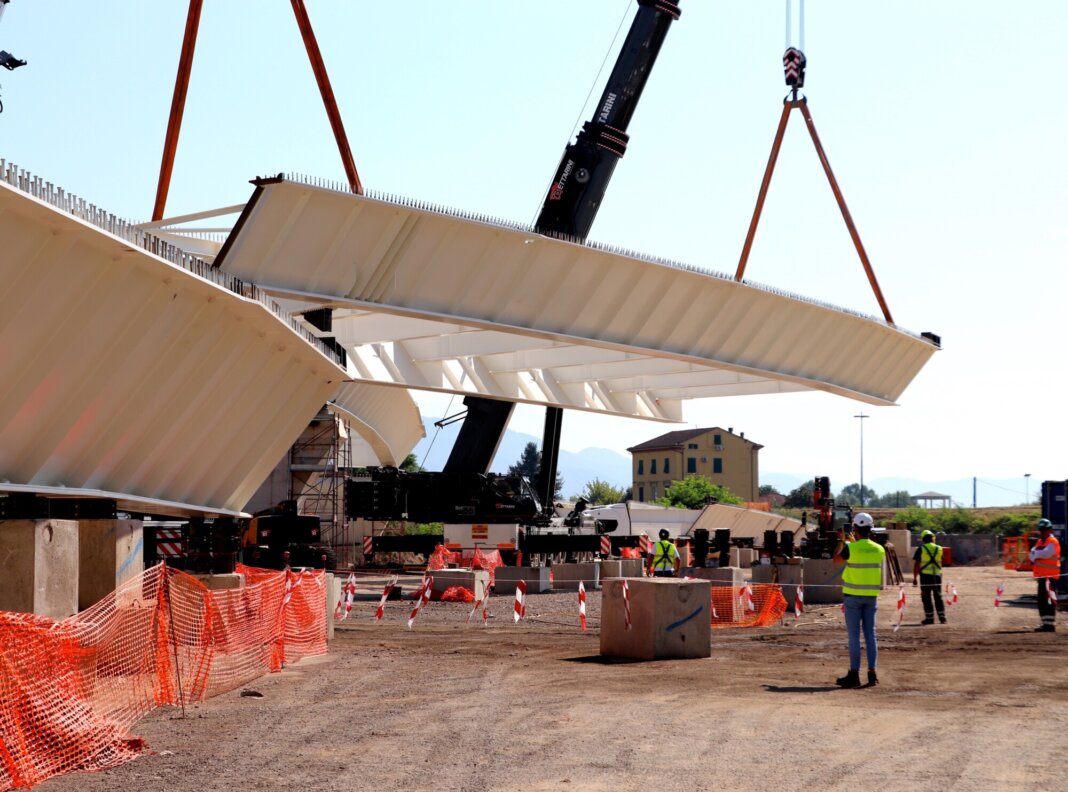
40,563
110,552
670,619
477,580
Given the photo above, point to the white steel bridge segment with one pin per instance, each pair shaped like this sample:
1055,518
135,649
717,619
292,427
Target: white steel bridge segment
427,299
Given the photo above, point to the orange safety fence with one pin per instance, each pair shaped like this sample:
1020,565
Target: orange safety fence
730,609
70,690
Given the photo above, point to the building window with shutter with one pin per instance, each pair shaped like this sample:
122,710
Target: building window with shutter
717,464
691,464
667,464
641,494
652,470
641,468
717,440
692,446
654,492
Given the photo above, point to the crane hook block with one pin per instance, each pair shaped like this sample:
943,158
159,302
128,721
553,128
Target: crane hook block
9,61
793,64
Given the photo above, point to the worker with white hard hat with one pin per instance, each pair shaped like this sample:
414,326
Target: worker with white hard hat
862,580
927,566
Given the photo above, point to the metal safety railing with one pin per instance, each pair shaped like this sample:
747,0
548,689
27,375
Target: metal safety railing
57,197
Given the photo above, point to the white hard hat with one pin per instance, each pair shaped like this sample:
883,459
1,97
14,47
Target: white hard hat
863,520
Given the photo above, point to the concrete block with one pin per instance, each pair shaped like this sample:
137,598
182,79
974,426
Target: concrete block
610,568
223,582
333,596
823,581
671,619
477,580
566,577
536,578
718,576
631,567
40,563
110,552
788,576
902,542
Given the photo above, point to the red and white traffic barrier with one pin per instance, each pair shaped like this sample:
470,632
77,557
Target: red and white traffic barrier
484,604
900,608
421,599
643,544
998,594
169,543
953,599
799,601
626,606
348,596
582,605
606,546
366,547
520,610
747,598
293,579
380,611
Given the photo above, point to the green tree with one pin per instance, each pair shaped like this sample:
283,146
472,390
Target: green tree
956,520
599,493
917,518
892,500
851,494
767,489
693,492
411,464
527,465
800,497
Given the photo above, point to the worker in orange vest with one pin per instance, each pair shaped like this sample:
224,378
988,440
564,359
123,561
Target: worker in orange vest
1046,565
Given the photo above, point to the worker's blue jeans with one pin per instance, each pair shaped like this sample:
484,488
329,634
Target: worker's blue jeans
860,612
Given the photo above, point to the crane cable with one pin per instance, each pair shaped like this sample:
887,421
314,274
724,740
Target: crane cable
800,24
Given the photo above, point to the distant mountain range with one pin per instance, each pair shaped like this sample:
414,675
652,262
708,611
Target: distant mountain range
579,468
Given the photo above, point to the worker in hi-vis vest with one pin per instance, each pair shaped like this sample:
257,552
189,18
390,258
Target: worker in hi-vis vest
862,580
664,561
927,566
1046,566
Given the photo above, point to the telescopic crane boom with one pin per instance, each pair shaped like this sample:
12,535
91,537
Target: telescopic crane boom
569,210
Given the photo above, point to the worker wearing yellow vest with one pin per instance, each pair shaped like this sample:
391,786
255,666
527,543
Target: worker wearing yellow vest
862,580
927,566
664,561
1046,565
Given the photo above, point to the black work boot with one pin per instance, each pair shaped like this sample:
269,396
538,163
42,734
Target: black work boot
873,680
850,680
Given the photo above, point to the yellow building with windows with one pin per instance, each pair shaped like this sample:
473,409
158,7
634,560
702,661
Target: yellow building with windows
725,458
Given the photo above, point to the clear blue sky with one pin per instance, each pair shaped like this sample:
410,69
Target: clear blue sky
944,123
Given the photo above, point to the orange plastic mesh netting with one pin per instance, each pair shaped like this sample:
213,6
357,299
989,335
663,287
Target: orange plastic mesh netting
458,594
730,609
70,690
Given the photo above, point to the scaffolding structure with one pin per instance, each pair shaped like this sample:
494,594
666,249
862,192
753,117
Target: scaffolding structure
318,462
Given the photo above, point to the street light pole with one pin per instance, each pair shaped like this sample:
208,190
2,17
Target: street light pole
1027,489
862,416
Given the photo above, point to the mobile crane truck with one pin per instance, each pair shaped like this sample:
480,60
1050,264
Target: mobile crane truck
569,209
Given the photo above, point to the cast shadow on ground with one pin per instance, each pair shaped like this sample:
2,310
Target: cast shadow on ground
600,660
800,689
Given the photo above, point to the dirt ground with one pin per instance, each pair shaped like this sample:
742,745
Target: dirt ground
978,704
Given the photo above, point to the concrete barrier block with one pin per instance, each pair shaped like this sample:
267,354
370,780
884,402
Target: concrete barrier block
566,577
536,578
671,619
631,567
609,568
477,580
718,576
788,576
823,581
223,582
